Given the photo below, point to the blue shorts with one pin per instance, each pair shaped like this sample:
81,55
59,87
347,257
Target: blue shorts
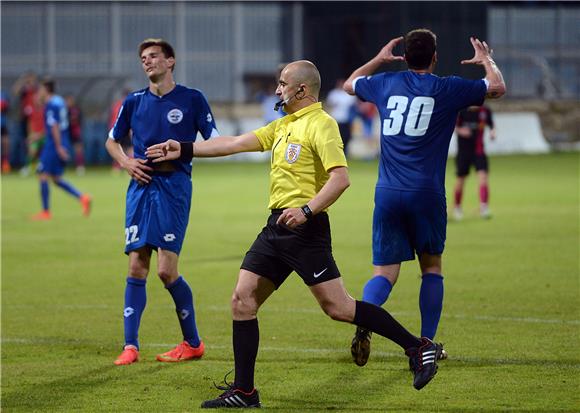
50,163
407,222
157,214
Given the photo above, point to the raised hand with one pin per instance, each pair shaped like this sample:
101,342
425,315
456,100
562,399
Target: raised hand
386,54
166,151
482,52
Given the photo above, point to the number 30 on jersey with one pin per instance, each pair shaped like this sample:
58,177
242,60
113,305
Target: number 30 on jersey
416,121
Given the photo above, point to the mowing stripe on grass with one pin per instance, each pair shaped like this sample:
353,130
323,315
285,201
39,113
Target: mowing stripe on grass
215,308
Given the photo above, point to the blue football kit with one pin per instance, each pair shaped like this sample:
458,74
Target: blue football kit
55,113
157,213
418,114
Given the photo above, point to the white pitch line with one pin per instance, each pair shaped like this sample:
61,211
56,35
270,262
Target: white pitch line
215,308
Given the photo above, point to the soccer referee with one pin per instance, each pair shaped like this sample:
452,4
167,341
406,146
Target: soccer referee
308,174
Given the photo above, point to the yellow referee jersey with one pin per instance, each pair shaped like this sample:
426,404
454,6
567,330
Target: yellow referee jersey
305,146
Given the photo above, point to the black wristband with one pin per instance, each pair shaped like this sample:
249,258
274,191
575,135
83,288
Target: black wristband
307,211
186,151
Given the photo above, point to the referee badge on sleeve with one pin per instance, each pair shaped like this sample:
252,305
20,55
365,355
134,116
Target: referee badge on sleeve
292,152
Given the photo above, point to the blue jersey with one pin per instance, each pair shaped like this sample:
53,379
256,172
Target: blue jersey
56,113
179,115
418,114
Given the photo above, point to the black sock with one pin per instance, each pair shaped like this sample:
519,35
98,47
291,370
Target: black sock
246,338
379,321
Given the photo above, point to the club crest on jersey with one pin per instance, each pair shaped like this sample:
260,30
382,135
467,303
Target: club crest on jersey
292,152
175,116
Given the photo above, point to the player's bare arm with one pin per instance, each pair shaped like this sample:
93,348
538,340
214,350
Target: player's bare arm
61,150
214,147
493,75
337,183
383,57
136,168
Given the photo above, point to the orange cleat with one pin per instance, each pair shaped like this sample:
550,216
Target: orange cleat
182,352
86,201
129,355
42,216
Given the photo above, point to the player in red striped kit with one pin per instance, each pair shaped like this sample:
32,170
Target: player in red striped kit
470,129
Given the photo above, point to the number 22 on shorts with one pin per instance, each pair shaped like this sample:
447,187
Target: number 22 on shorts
131,234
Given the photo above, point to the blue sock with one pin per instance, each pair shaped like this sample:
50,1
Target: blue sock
45,195
135,300
377,290
430,303
183,299
68,188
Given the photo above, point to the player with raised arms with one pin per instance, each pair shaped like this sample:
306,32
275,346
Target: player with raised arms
418,111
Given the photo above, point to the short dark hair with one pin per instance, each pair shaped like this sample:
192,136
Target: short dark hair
420,46
49,84
166,48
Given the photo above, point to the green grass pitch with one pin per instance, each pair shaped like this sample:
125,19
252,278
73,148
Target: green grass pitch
511,319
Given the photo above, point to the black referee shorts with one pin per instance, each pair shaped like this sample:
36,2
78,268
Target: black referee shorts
306,249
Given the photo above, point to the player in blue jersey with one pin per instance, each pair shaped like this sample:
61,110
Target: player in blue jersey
159,195
418,112
55,152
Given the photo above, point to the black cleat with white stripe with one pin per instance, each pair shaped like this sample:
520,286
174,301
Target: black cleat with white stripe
423,361
234,398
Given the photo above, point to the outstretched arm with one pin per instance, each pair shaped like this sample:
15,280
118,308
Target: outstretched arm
493,75
384,56
218,146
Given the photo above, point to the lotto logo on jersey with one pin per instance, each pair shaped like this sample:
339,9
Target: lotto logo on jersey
292,152
175,116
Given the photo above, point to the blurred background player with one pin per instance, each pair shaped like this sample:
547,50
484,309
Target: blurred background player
418,113
75,118
4,106
25,89
56,151
342,107
36,134
470,129
159,196
126,140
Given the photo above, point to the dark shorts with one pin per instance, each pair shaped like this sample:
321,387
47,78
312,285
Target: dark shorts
407,222
464,160
307,249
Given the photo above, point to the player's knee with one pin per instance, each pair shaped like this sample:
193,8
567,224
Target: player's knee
243,307
167,277
137,271
334,311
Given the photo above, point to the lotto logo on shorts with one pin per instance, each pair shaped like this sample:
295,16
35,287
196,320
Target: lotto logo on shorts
169,237
174,116
292,152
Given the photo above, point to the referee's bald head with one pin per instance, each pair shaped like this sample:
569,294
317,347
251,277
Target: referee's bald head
304,71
